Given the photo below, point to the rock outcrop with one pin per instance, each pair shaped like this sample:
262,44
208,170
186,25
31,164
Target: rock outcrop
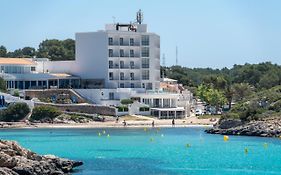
269,127
15,160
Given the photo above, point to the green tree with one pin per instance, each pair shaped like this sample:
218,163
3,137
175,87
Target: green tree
241,91
15,112
215,98
126,101
28,52
3,86
269,80
57,50
3,51
44,113
211,96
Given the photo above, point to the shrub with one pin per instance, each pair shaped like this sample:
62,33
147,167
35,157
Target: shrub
144,108
230,115
15,112
122,108
45,112
276,106
126,101
16,93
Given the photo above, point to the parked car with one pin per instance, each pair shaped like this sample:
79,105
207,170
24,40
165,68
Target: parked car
198,112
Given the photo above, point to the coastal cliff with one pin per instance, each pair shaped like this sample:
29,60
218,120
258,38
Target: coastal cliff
268,127
15,160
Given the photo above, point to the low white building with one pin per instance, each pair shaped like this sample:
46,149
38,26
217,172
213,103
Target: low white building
22,73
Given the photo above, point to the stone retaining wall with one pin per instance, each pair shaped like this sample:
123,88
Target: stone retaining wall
82,108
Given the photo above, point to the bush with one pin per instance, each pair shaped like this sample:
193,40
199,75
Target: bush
122,108
276,106
144,108
230,115
14,112
126,101
16,93
45,112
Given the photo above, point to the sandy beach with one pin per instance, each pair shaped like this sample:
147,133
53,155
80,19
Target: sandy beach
136,121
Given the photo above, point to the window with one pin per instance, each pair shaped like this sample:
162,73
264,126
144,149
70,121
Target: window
122,85
110,75
110,52
132,53
145,63
145,40
132,76
132,85
132,42
32,68
122,65
122,76
121,41
121,53
110,41
132,64
149,86
145,51
145,74
111,95
110,64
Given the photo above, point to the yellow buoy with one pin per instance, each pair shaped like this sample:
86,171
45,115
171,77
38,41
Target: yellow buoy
103,131
145,129
225,138
187,145
265,145
99,134
108,135
246,150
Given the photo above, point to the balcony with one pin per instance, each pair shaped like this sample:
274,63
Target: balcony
113,67
124,44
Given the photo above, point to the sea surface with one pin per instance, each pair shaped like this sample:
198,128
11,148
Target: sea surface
171,151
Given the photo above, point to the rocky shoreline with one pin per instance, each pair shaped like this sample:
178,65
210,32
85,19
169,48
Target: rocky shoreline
16,160
269,127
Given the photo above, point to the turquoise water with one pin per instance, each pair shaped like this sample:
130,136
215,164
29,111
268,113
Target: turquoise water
134,151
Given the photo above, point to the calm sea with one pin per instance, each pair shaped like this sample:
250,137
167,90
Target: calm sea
154,151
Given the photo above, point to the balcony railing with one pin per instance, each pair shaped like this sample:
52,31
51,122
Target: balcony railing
124,44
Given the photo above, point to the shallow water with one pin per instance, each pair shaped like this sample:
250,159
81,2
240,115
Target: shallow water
164,151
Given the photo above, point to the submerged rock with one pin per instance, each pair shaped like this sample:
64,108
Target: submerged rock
269,127
16,160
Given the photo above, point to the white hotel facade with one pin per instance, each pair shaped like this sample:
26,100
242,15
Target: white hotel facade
120,62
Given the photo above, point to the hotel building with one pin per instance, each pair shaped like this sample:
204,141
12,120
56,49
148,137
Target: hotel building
120,62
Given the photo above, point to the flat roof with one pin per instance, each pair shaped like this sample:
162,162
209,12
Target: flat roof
168,109
60,75
16,61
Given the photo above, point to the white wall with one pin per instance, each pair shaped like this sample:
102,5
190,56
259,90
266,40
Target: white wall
91,55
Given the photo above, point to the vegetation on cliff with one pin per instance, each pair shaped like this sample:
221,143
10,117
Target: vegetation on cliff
15,112
44,113
265,103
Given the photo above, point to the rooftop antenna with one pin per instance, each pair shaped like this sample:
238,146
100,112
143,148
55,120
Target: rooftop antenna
139,16
176,55
164,65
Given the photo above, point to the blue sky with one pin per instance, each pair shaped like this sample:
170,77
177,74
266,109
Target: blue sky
208,33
